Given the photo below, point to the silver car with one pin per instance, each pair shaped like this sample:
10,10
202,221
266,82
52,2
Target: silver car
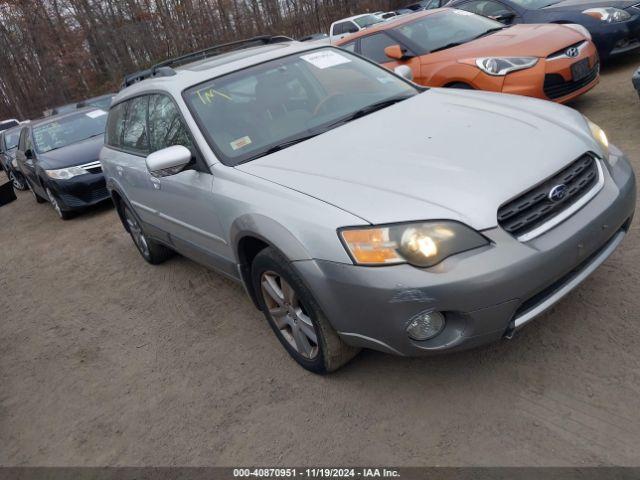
358,209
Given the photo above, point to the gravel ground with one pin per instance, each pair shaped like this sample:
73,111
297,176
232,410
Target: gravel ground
105,360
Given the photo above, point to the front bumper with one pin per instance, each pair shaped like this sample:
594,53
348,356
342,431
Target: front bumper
618,38
80,192
483,293
552,79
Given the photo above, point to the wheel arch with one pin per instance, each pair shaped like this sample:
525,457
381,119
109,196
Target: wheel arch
250,234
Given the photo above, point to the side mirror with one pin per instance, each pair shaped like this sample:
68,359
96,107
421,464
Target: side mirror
168,161
404,71
505,16
396,52
28,154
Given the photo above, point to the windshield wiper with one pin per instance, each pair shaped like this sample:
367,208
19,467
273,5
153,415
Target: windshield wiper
488,32
282,146
352,116
374,107
448,45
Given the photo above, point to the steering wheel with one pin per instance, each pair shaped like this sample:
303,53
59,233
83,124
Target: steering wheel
323,103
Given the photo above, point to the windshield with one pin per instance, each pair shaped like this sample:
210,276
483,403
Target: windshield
367,21
249,112
446,28
61,132
535,4
11,138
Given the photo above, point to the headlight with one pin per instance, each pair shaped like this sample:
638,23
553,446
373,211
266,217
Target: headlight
66,173
599,136
500,66
579,28
422,244
608,14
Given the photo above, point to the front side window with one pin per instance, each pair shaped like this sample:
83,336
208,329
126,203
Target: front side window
252,112
135,127
446,28
373,47
11,138
166,127
115,125
65,131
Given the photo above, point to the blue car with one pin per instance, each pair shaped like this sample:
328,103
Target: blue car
613,24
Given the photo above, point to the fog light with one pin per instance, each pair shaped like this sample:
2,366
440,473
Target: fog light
425,325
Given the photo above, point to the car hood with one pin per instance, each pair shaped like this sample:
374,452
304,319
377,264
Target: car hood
519,40
584,4
446,153
75,154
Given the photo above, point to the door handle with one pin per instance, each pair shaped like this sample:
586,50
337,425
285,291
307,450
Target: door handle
156,183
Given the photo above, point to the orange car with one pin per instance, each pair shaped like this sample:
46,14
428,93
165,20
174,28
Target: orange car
454,48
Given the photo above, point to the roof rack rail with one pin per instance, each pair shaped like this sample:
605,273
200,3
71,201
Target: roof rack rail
165,68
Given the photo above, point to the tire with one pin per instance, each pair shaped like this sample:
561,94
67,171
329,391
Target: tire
461,86
299,318
19,183
63,214
37,197
152,251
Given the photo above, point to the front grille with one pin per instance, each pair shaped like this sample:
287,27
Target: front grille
555,86
563,51
534,207
91,196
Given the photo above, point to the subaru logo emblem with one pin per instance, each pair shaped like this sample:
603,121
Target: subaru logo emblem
572,52
558,193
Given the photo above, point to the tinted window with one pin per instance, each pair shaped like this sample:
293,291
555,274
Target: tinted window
11,138
443,28
373,47
351,46
115,125
166,127
61,132
534,4
246,113
135,127
486,8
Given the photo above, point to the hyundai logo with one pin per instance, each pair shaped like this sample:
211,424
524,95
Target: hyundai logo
572,52
558,193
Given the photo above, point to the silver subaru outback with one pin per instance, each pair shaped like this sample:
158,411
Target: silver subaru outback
356,208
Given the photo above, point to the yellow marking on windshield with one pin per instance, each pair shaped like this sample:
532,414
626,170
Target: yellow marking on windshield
207,95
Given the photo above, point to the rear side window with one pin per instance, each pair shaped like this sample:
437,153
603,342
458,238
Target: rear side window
115,125
166,127
135,136
373,47
351,46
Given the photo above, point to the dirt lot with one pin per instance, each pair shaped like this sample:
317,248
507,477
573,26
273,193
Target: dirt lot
105,360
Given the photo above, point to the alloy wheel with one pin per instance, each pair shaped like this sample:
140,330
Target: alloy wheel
137,234
17,184
289,315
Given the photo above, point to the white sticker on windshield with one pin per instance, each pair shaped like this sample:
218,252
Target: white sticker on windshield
241,143
325,59
96,113
462,12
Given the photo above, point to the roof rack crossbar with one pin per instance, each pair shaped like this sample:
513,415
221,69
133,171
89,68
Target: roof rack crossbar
165,68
